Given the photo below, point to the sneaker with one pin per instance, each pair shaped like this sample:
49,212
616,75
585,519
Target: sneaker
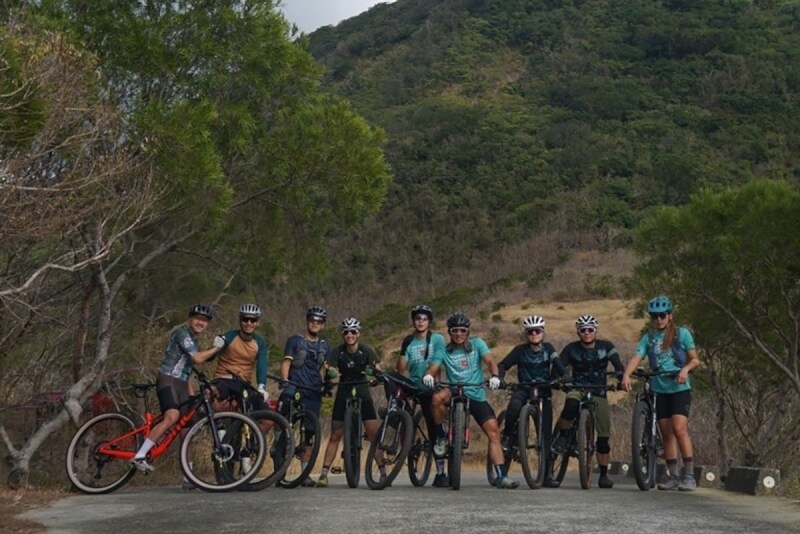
505,482
440,447
142,465
551,483
672,483
604,482
322,482
507,442
308,483
441,481
187,484
688,483
560,443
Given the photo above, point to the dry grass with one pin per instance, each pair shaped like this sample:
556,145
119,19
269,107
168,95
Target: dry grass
14,503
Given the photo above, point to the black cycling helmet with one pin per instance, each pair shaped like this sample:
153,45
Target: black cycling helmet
202,309
458,319
318,312
422,309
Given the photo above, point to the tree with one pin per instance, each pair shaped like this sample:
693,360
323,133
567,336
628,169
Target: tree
731,261
188,141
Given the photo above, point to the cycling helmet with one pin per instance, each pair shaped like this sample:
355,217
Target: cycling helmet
202,309
250,309
533,321
422,308
659,304
458,319
586,320
351,323
317,311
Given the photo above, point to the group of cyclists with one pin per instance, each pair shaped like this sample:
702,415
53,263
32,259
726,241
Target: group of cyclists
429,360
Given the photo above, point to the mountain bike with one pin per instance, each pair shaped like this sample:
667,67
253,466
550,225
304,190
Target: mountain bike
582,436
353,435
529,447
420,455
457,429
304,438
391,445
275,430
100,453
646,441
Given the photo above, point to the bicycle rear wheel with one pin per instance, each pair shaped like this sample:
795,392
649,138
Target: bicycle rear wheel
352,447
420,456
275,430
237,460
643,450
393,441
585,448
99,454
303,440
457,446
531,446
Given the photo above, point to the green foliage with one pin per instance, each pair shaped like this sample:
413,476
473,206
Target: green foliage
602,285
498,304
493,338
539,277
496,317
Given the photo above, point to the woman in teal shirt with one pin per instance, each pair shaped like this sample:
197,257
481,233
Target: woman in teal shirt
670,349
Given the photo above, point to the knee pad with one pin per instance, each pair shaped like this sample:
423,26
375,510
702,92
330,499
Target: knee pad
571,408
603,447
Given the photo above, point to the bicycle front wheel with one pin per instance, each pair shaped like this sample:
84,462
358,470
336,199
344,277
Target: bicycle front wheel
531,446
304,443
643,450
457,446
585,448
99,454
275,430
352,447
238,458
389,449
420,457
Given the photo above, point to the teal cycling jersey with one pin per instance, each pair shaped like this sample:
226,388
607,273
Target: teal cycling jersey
419,353
667,361
465,366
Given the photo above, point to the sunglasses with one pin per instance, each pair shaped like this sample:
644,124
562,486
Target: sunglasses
660,315
421,318
350,332
587,330
248,319
316,320
459,330
534,331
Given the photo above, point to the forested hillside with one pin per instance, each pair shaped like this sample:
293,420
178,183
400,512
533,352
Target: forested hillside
510,119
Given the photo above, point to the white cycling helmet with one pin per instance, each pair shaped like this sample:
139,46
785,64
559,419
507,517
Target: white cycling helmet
533,321
586,320
249,309
351,323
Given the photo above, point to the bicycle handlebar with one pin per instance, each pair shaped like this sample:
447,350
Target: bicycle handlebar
647,375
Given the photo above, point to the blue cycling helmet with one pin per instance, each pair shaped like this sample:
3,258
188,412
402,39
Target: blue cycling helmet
659,304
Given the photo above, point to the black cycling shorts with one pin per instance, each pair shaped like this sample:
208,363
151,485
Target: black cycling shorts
481,411
367,407
232,389
669,404
172,392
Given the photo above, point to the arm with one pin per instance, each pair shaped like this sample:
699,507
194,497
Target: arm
633,363
203,355
691,365
402,365
286,364
511,359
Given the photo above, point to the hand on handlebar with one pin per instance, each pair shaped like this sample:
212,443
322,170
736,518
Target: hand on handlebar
428,380
625,383
494,383
262,388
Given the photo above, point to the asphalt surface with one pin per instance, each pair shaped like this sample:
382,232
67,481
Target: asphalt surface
475,508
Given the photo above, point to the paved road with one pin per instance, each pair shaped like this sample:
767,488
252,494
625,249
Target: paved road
476,508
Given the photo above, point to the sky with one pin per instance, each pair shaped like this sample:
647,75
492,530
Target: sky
311,14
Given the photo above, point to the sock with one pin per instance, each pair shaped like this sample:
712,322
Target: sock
303,465
440,466
144,449
325,469
672,467
603,470
440,432
500,470
688,466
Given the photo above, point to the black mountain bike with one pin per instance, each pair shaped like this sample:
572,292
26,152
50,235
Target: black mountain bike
529,447
582,436
457,429
646,442
304,436
391,445
275,429
353,434
420,455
